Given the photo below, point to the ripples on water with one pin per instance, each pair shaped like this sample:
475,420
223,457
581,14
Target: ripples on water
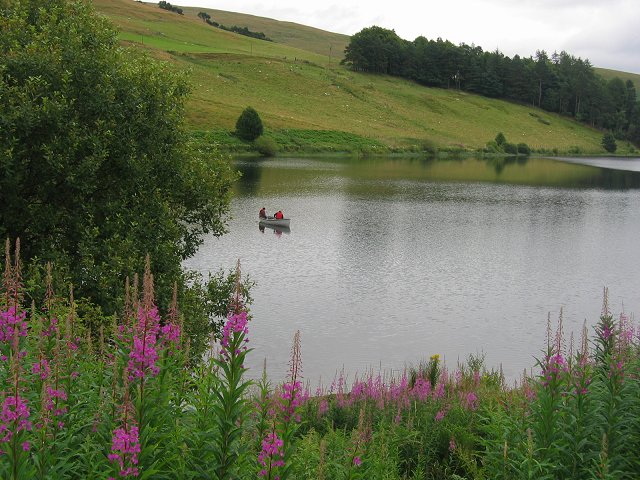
390,261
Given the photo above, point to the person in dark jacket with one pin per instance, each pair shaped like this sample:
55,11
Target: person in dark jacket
263,213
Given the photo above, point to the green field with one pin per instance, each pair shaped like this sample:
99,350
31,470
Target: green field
294,86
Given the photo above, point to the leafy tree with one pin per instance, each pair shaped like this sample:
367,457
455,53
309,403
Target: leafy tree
609,142
375,49
510,148
249,125
95,171
266,146
501,139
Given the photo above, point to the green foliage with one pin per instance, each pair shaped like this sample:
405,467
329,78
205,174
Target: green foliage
609,142
491,147
94,167
249,125
375,49
500,139
575,150
510,148
293,140
524,149
266,146
233,404
206,303
578,419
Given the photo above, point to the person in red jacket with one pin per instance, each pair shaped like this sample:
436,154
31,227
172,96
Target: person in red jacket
279,215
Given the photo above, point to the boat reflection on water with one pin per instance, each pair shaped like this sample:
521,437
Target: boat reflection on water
278,231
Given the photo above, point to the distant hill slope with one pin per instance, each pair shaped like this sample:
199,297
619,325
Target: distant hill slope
287,33
609,74
301,88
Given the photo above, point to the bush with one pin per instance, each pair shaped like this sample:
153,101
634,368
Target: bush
609,142
428,146
491,147
501,139
249,125
575,150
524,149
510,148
266,146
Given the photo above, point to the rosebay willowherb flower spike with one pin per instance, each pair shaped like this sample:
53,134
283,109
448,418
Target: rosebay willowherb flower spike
296,358
12,276
236,304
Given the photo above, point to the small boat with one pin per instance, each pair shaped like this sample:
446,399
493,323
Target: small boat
275,222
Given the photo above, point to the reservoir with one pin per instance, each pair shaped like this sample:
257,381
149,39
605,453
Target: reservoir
389,261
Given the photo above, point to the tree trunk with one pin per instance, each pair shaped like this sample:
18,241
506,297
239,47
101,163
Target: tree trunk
539,93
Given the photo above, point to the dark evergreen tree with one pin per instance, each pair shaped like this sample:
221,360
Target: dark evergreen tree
249,125
609,142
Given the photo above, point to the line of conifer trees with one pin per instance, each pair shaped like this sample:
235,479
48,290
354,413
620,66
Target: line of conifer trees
172,8
558,83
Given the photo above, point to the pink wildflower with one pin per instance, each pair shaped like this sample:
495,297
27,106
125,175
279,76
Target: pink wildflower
12,323
291,397
236,323
148,321
53,398
52,328
41,368
14,412
171,334
440,415
272,454
471,401
357,461
323,407
421,389
553,367
143,357
439,391
125,447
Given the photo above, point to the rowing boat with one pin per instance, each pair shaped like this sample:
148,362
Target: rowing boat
275,222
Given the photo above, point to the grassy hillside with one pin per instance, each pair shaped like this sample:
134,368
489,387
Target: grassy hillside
293,85
288,33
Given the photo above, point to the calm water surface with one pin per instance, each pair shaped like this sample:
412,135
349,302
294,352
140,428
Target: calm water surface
390,261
